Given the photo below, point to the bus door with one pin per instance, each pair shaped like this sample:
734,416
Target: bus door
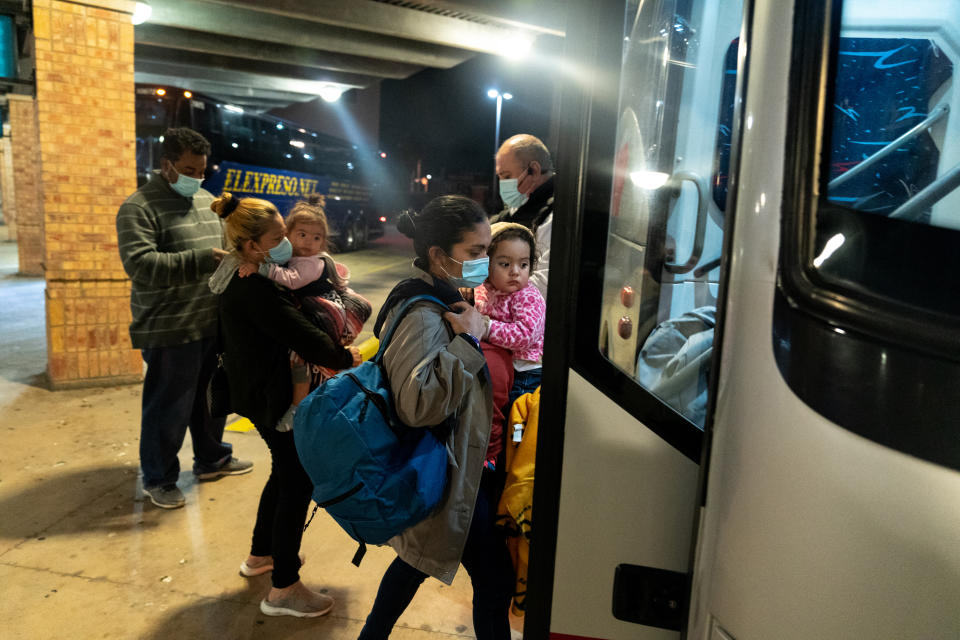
647,123
832,505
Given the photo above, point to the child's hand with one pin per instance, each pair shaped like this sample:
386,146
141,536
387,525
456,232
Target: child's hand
467,294
246,269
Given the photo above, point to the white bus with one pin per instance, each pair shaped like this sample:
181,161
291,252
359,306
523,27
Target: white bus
752,418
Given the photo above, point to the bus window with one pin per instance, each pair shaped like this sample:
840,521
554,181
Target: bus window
891,156
666,215
890,113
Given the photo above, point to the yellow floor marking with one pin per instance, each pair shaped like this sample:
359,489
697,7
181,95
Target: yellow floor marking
240,425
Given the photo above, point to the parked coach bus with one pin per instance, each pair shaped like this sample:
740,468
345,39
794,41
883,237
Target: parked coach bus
262,156
751,424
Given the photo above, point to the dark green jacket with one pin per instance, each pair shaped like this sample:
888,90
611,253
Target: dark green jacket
166,244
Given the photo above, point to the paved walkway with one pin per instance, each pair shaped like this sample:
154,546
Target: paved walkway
82,555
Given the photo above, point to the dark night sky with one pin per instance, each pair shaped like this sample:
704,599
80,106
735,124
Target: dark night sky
445,118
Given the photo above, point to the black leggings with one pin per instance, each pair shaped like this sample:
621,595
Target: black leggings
283,508
486,559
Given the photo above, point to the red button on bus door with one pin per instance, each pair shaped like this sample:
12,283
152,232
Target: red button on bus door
625,327
626,296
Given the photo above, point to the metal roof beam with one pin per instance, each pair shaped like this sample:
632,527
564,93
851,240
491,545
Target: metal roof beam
200,42
238,78
149,54
542,16
254,25
192,77
393,21
214,89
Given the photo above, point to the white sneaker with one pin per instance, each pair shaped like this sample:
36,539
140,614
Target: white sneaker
302,603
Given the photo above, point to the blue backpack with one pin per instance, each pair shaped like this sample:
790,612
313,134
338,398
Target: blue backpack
373,474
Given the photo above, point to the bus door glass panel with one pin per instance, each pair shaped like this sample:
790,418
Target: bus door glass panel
666,214
893,149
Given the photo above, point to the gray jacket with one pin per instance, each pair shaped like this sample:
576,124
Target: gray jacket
433,377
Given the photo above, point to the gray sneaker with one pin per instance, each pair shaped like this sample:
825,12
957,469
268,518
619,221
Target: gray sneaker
232,467
166,497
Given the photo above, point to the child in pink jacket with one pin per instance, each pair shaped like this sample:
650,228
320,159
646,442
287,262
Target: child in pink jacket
514,308
319,286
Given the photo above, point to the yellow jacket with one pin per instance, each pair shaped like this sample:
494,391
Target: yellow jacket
515,512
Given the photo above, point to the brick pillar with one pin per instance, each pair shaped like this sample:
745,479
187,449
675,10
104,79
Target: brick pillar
87,145
7,192
24,145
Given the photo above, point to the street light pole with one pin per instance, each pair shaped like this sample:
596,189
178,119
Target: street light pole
500,97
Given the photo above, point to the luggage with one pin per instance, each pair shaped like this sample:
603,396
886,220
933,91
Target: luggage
374,475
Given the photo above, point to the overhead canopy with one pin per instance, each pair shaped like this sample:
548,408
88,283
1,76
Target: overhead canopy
264,53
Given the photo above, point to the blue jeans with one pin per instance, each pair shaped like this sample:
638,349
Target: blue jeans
523,382
486,559
174,398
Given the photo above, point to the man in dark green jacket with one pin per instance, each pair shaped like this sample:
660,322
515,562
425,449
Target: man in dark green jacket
170,242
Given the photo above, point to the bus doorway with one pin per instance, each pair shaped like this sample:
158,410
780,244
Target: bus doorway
760,247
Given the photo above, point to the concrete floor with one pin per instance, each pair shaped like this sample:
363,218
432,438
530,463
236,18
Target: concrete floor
82,555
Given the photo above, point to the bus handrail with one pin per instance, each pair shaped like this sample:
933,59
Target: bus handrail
676,184
932,118
929,195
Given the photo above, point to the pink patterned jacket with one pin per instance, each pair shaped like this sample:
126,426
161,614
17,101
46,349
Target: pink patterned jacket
516,319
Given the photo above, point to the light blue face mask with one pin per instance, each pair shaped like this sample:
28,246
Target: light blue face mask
510,193
281,253
474,273
185,185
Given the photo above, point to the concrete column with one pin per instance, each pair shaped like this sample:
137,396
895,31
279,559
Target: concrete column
24,146
87,147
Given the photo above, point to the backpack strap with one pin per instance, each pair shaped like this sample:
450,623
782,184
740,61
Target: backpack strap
398,316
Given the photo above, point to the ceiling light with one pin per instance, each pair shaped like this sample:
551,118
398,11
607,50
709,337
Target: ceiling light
331,93
515,47
141,13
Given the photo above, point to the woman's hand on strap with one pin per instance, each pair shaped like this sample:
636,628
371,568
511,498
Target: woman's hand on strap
465,319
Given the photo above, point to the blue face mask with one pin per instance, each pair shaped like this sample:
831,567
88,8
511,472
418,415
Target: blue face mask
474,273
510,193
281,253
185,185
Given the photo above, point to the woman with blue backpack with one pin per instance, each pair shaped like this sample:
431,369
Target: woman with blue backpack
437,370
